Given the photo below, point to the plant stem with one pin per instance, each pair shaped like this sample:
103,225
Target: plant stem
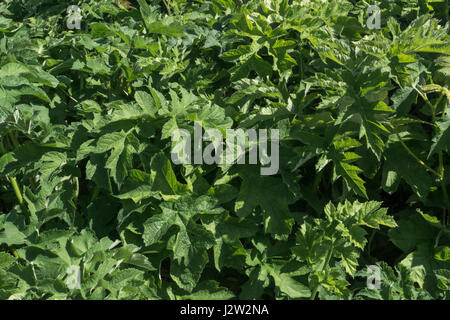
317,180
15,186
439,101
433,108
77,188
446,11
441,157
415,157
13,139
369,246
324,267
443,186
13,181
2,148
16,190
445,108
95,193
441,169
436,241
14,252
167,7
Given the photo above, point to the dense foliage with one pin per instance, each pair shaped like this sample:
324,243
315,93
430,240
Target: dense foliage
86,178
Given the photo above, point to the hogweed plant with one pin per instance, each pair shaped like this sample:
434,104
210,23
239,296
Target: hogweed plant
347,100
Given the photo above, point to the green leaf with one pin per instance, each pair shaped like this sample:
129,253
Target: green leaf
157,226
406,167
442,253
290,287
173,29
146,102
11,235
357,236
6,260
269,193
254,287
441,140
209,290
169,127
187,276
164,180
137,186
411,232
350,174
348,256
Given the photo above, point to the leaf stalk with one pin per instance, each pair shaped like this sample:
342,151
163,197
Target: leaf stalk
13,181
324,268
